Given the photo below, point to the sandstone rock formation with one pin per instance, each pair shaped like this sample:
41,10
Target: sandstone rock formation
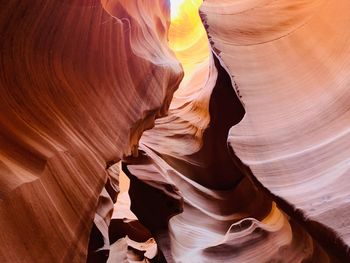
232,126
80,81
290,63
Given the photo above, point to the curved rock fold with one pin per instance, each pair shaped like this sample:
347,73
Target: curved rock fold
215,131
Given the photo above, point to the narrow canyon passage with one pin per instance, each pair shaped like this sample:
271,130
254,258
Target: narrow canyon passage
179,131
213,212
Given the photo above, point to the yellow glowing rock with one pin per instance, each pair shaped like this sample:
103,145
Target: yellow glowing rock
187,37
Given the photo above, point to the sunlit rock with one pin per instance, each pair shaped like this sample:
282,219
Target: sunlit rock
290,64
174,131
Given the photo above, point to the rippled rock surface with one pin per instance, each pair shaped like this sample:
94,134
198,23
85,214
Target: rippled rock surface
80,81
230,119
289,61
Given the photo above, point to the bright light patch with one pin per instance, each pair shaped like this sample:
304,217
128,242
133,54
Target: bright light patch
176,8
188,39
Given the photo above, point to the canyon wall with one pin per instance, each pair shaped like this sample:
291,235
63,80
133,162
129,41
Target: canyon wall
80,81
232,126
289,62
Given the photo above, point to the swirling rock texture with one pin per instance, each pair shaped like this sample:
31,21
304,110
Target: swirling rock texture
188,153
290,63
80,81
246,160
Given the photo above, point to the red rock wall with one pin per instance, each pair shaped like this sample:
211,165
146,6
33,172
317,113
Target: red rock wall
250,163
80,81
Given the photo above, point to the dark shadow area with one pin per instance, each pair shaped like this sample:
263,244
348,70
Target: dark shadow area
152,206
119,229
96,242
216,170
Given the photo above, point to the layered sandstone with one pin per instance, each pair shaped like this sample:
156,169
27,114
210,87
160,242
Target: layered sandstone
80,81
289,61
232,126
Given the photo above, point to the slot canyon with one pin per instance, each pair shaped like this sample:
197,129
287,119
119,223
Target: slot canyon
175,131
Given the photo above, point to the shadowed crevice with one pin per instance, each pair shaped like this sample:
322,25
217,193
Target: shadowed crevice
216,170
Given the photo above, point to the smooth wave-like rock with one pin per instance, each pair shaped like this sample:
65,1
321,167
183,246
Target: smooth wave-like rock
232,126
290,63
224,217
80,81
183,156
